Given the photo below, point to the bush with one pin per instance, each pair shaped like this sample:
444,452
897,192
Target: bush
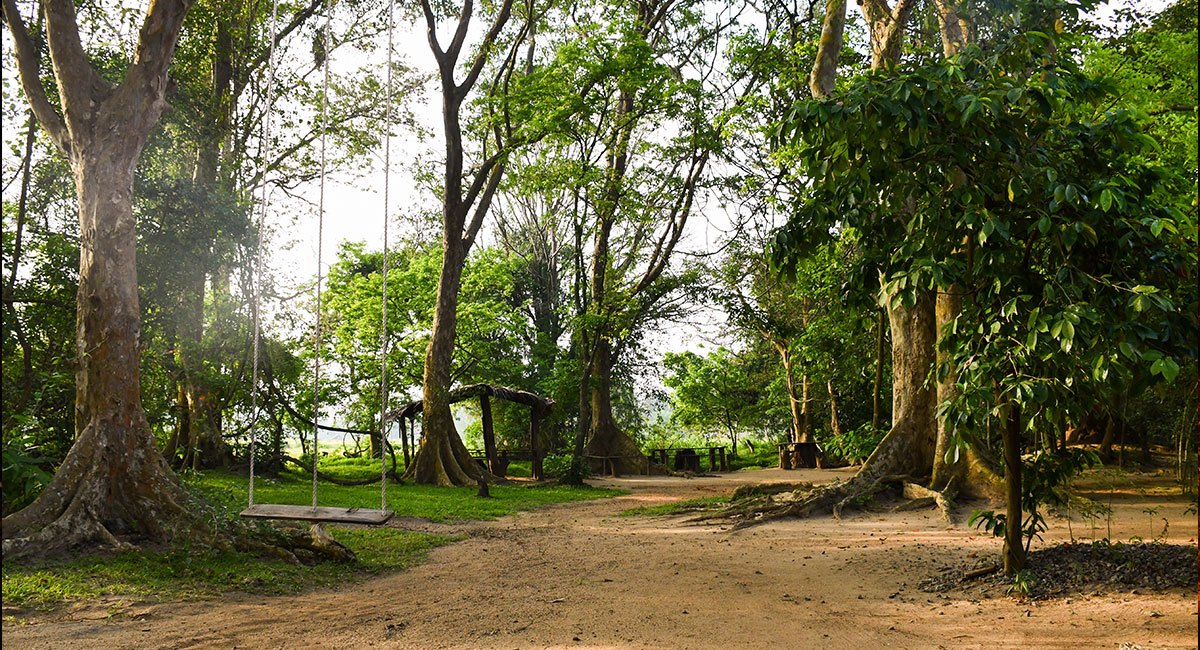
563,466
856,444
25,472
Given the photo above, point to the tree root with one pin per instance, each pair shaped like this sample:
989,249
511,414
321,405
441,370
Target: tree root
770,504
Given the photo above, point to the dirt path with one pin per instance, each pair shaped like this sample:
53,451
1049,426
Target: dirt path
576,576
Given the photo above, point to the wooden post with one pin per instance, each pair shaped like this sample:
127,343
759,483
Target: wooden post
404,439
724,461
785,456
535,441
489,434
712,459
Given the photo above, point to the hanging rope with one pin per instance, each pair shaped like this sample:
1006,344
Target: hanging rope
383,344
265,148
320,238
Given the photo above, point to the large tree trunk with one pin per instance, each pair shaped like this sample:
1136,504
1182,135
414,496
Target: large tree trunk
442,458
113,480
793,395
806,425
605,437
973,472
908,448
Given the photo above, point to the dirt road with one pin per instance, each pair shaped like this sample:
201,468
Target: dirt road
577,576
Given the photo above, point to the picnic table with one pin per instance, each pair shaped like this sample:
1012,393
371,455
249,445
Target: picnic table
688,458
798,454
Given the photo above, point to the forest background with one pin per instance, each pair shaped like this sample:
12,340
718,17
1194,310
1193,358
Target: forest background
685,234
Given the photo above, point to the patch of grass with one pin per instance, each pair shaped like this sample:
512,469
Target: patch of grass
421,501
187,574
765,456
678,507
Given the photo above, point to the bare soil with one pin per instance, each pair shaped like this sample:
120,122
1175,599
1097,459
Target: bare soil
577,576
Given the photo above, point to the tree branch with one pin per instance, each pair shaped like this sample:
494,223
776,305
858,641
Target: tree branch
28,65
78,83
482,56
156,45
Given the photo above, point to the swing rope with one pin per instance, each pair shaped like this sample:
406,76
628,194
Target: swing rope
320,241
265,148
288,511
383,343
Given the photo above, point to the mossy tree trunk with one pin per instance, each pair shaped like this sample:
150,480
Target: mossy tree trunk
114,480
442,458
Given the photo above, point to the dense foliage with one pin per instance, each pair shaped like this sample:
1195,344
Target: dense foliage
1046,176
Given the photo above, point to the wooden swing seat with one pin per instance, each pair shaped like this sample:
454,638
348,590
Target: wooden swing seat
365,516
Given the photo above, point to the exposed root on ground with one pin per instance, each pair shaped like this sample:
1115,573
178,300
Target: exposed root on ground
286,540
766,503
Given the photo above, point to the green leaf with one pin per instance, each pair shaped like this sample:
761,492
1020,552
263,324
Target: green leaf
1069,235
1106,199
1040,392
1170,369
1011,195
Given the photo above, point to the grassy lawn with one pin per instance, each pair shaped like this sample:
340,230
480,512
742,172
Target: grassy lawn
764,456
185,573
434,503
194,574
678,507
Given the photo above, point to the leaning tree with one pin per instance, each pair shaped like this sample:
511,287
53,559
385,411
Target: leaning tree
113,480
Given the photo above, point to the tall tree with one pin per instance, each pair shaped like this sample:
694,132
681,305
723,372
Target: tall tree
912,444
442,458
114,478
646,191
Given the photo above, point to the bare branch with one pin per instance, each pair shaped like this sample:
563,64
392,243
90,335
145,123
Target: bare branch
485,47
156,46
28,64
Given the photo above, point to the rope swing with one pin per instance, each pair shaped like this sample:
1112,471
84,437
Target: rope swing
316,513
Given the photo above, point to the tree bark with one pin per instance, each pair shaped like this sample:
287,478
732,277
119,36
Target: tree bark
1014,550
806,425
908,448
887,27
442,458
824,71
877,388
605,437
793,399
835,425
974,472
113,480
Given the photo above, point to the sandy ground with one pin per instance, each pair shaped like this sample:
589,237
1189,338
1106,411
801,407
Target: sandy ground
577,576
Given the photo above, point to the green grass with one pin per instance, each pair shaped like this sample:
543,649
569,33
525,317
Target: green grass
765,456
184,573
427,502
678,507
187,574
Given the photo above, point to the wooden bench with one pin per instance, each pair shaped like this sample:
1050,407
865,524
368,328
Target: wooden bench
503,458
608,464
